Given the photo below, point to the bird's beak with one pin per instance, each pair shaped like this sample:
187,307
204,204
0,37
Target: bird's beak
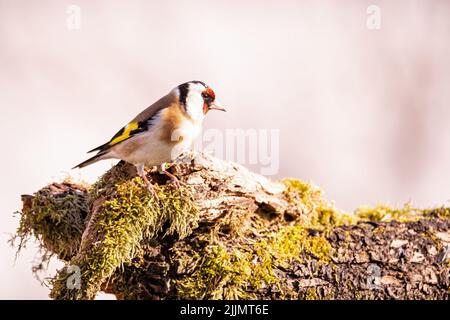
216,106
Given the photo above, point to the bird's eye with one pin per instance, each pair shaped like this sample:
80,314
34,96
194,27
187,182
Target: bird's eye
208,99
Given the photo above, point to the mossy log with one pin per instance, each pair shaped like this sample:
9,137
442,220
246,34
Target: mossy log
228,233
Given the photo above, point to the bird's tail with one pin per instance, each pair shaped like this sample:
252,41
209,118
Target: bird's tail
99,156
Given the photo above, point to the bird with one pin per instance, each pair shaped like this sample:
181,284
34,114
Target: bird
162,132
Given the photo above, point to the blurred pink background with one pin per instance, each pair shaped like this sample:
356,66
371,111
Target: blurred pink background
362,113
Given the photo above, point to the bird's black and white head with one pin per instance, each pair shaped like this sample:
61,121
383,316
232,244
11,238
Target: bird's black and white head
197,99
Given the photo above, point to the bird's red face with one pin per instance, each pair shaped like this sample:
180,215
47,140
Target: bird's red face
197,99
209,101
208,96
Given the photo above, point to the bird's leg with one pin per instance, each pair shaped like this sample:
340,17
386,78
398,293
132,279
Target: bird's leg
141,173
174,179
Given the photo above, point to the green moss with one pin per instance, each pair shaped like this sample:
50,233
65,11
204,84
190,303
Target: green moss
303,194
56,219
377,213
406,214
239,272
311,294
215,276
290,242
442,213
116,175
118,227
329,217
318,213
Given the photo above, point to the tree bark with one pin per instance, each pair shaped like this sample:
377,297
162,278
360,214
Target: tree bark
232,234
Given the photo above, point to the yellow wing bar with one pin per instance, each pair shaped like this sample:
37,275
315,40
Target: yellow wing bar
125,133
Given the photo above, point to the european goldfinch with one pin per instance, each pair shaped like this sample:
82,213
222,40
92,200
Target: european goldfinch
163,131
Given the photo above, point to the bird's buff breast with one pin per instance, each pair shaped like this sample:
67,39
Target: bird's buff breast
158,145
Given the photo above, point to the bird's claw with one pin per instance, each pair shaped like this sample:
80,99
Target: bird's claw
152,190
176,182
148,185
